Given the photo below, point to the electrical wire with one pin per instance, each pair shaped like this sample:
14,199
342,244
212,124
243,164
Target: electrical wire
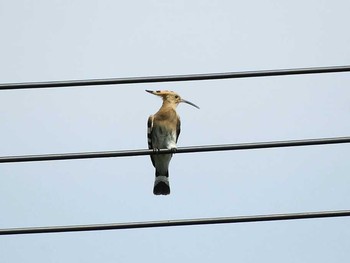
174,78
172,223
191,149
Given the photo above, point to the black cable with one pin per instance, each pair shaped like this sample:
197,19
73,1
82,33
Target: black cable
172,223
191,149
174,78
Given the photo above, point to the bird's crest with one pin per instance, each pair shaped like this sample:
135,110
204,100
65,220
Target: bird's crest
171,97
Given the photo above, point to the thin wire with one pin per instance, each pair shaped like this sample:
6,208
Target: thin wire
172,223
174,78
191,149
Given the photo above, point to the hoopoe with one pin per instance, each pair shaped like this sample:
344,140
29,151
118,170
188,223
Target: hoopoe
163,132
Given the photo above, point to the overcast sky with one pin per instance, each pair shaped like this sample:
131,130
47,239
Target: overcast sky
64,40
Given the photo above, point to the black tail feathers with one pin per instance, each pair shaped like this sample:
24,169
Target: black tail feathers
161,188
161,184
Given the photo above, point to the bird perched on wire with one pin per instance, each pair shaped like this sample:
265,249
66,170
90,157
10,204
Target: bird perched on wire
163,132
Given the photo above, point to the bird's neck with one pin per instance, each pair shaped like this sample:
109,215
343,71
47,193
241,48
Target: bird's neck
168,105
167,111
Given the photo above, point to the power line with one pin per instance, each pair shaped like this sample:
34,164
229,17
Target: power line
191,149
174,78
172,223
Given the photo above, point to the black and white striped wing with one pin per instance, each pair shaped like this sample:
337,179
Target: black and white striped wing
149,134
178,128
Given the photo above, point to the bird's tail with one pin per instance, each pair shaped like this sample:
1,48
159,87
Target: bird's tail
161,184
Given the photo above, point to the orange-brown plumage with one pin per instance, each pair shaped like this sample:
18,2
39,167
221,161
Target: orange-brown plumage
163,133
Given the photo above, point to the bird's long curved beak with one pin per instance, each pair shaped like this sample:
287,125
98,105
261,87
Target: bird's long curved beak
188,102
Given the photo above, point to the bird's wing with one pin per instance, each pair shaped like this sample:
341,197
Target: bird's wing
178,129
149,131
149,134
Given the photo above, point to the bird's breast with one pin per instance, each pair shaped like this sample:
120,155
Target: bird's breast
163,137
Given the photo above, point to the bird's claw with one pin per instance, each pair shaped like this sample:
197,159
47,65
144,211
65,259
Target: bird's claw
156,150
174,150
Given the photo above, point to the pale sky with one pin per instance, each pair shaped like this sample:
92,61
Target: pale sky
76,39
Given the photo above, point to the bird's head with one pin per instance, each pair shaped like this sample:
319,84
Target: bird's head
171,97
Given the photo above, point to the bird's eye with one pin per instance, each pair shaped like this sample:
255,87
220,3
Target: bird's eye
176,97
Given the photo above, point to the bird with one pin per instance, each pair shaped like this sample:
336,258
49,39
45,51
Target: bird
163,130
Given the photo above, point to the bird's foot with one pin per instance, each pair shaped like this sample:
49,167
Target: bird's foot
174,149
156,150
